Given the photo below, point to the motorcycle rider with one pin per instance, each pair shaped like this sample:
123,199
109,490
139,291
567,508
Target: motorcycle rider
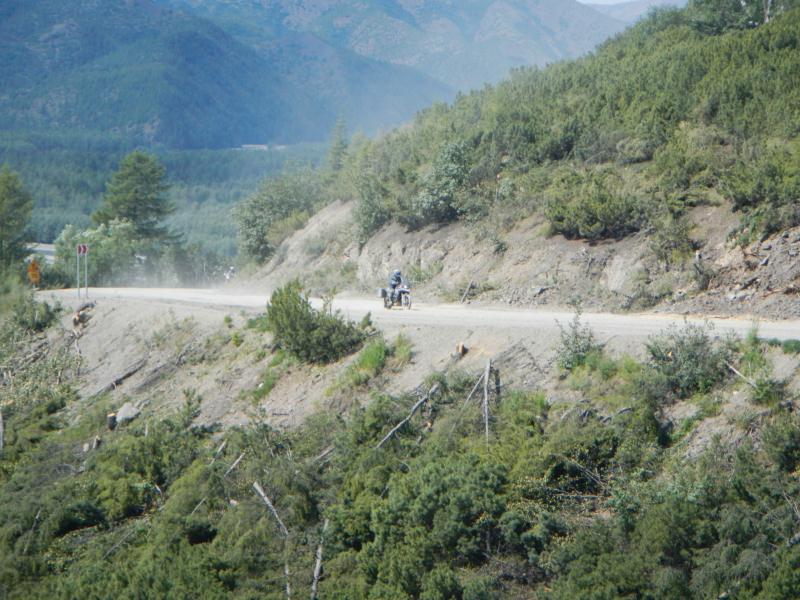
395,279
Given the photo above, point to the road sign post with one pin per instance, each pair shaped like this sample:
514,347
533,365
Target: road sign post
82,250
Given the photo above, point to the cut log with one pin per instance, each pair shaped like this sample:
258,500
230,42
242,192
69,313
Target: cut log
219,451
234,465
33,530
135,368
324,454
747,380
414,410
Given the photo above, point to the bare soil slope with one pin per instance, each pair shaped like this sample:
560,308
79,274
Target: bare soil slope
529,267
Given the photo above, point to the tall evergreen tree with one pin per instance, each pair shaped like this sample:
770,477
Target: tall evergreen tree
136,193
338,148
16,205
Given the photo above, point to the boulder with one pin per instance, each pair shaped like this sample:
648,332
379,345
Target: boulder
127,412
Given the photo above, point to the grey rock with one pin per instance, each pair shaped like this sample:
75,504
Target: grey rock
127,412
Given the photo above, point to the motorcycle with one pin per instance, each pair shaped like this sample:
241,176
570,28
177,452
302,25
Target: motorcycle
402,297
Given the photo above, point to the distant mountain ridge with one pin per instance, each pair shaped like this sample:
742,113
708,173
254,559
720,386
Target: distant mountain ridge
629,12
462,43
221,73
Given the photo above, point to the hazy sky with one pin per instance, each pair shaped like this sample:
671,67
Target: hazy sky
602,1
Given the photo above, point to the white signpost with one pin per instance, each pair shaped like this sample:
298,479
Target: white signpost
82,250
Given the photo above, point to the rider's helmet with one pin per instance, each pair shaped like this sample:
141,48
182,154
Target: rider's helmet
396,273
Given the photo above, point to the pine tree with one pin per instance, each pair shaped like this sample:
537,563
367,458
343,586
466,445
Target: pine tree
338,148
136,193
16,205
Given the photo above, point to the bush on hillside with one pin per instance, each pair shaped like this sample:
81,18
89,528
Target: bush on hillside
688,360
34,316
438,200
765,185
280,206
312,336
670,242
577,344
592,207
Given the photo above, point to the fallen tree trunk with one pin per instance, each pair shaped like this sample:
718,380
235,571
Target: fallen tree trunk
318,563
284,534
414,410
234,465
138,366
747,380
268,502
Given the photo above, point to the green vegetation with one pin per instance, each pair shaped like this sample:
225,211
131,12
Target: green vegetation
562,503
577,344
131,243
67,178
672,113
308,334
136,195
788,346
592,207
376,356
686,361
281,205
16,204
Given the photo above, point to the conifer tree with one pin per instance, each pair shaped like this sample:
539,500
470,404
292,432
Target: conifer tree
136,193
16,205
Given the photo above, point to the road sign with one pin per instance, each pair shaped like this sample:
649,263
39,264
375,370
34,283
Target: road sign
34,274
83,249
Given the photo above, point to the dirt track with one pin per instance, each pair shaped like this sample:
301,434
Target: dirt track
628,326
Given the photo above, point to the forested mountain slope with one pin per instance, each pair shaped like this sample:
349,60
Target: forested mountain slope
150,75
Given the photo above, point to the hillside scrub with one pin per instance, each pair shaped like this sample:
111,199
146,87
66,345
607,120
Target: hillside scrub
311,335
281,205
670,104
561,504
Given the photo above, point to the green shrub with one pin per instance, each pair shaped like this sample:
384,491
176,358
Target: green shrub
310,335
280,206
577,344
402,350
670,242
592,207
765,185
31,315
781,438
791,346
440,584
688,359
438,200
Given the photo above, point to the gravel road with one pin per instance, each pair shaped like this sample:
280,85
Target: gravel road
628,326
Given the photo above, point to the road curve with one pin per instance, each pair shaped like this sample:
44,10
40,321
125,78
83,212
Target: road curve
450,315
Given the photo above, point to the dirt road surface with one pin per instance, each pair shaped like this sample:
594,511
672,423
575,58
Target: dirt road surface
450,316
